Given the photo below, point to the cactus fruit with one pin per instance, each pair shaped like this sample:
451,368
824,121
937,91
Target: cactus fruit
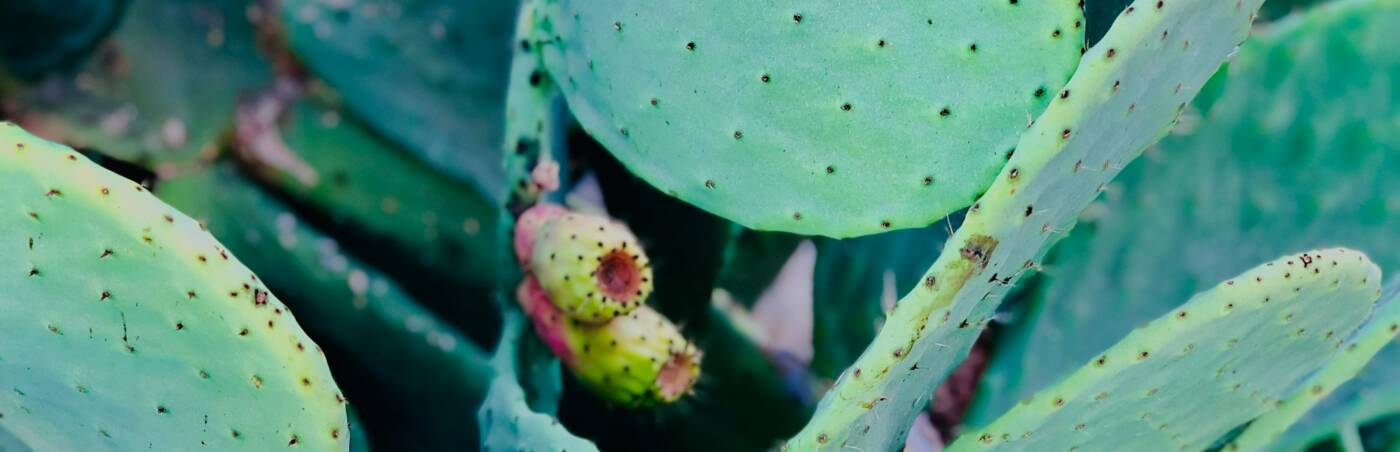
830,118
528,225
429,75
635,359
165,88
1186,379
1127,93
128,327
591,267
1301,106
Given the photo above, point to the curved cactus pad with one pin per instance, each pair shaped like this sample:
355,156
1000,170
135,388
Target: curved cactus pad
1189,377
831,118
1126,94
128,327
1379,332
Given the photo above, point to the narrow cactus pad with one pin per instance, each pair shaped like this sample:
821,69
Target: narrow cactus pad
1190,376
428,74
1378,333
1286,159
592,268
164,87
317,153
1127,93
836,119
129,327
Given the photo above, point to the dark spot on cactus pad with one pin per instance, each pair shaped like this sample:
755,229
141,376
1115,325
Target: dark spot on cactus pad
978,249
764,78
1111,52
797,18
797,215
821,438
536,77
1055,34
1143,355
738,134
945,112
1065,134
972,48
846,106
930,281
709,184
690,45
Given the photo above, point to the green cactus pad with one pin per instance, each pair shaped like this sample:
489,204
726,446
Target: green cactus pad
164,91
129,327
1285,160
593,268
380,331
1379,331
37,36
834,119
507,422
428,74
1127,93
1187,378
343,170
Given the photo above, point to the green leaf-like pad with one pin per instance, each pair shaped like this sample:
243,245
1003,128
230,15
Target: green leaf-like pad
128,327
1190,376
833,118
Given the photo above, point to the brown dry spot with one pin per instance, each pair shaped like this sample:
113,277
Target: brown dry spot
978,249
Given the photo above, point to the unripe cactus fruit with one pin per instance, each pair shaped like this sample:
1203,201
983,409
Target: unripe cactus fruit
591,267
635,359
528,225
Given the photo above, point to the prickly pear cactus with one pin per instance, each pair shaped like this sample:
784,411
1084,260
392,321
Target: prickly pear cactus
109,291
1377,333
592,268
1189,377
1289,152
428,74
163,91
1126,94
829,119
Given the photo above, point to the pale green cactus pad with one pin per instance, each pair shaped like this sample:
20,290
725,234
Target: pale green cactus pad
163,91
822,118
429,74
1127,93
1189,377
1378,333
129,327
1285,160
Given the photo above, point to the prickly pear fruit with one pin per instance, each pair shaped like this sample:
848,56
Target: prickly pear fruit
527,226
635,359
591,267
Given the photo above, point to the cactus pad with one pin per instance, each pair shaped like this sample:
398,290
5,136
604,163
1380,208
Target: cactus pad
129,327
592,268
1189,377
830,118
1285,160
428,74
1128,91
1379,332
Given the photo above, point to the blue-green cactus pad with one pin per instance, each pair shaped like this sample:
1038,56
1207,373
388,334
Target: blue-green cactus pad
127,327
429,74
1286,159
1189,377
831,118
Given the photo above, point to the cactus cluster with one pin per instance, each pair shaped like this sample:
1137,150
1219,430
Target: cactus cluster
515,225
586,282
